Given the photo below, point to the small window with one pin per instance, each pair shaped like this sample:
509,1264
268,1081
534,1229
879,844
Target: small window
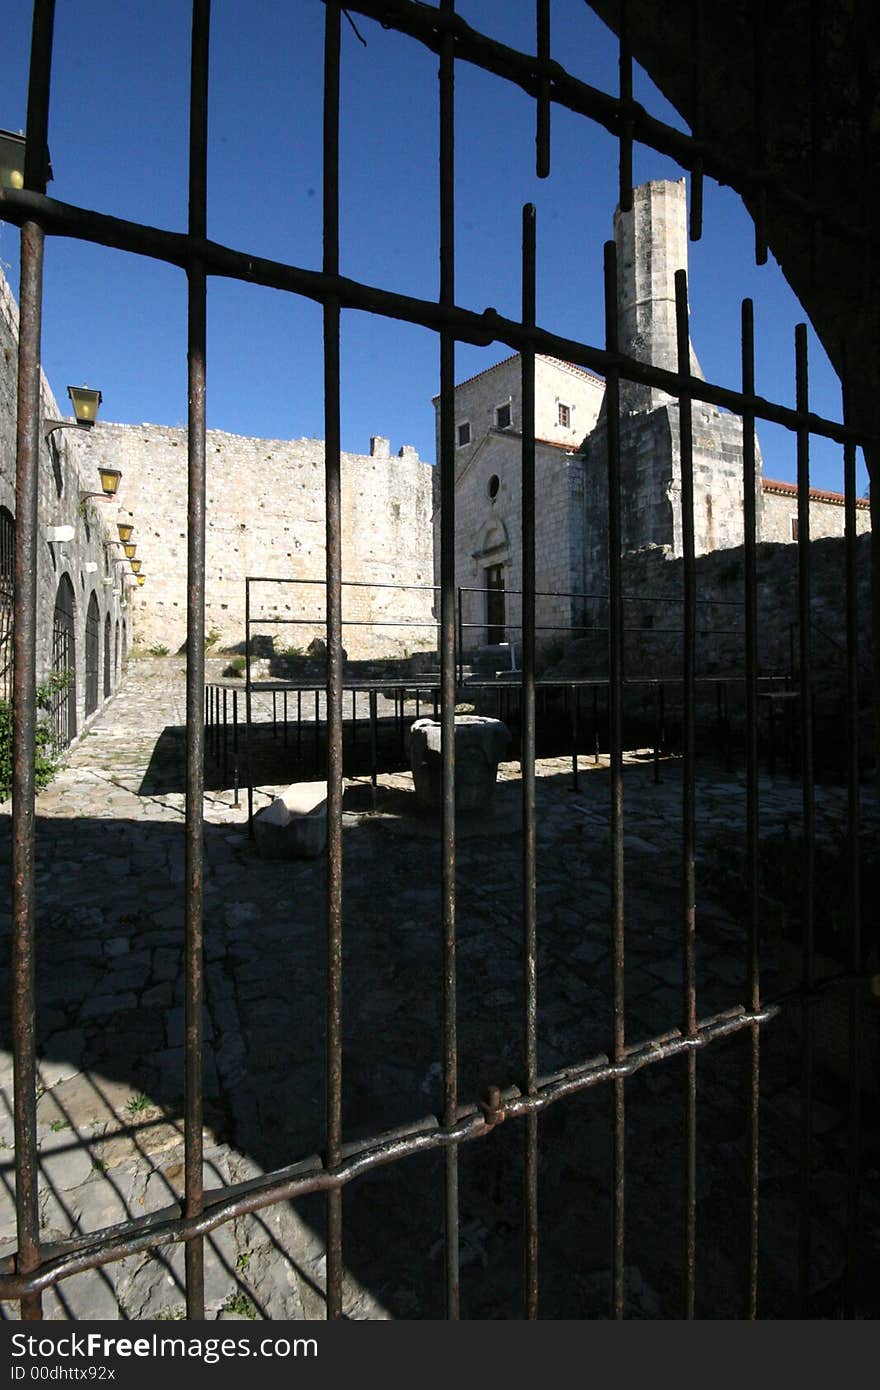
464,434
493,487
565,416
794,528
502,416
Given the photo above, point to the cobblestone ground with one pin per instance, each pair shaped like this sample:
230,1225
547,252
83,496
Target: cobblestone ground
110,1030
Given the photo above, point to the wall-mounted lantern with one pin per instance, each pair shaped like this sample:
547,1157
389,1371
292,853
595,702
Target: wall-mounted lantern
109,483
12,152
85,407
142,579
124,530
136,566
130,548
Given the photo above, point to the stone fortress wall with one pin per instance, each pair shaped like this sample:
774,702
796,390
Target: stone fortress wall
265,517
84,563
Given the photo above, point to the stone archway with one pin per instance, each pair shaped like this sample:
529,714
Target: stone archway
64,664
93,644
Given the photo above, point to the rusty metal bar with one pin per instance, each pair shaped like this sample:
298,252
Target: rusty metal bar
527,767
542,104
24,672
696,207
430,25
625,139
615,763
805,687
155,1231
688,836
753,963
61,219
248,707
447,656
333,495
853,828
195,664
760,122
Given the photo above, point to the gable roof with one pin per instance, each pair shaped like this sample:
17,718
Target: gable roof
514,357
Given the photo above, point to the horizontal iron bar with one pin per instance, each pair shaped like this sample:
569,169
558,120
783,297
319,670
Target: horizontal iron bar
621,117
154,1231
346,583
64,219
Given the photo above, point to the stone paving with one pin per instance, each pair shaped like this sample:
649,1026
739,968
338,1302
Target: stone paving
110,853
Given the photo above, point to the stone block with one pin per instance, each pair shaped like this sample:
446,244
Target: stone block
480,744
295,825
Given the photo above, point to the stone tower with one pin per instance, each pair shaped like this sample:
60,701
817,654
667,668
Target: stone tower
652,244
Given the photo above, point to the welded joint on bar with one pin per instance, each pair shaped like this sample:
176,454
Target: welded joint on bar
222,1205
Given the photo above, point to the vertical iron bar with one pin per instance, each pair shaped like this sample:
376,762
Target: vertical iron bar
808,793
854,1118
447,650
760,117
625,173
573,723
248,706
195,661
332,471
284,710
615,763
696,217
542,131
753,964
689,1011
225,732
460,640
527,762
24,668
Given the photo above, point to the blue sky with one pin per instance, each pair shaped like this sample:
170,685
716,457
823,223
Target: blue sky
118,137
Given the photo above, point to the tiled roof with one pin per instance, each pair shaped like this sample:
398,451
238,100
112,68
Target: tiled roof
817,494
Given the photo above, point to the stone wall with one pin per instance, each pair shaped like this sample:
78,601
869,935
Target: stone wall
265,517
67,469
826,512
650,486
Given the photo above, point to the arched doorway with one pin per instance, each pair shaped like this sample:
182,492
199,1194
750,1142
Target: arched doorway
7,570
93,642
64,664
108,671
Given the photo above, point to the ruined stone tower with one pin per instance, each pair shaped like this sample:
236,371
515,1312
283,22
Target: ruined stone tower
652,244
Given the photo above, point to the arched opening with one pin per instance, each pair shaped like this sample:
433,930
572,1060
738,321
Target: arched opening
7,569
63,707
124,642
93,642
116,668
108,672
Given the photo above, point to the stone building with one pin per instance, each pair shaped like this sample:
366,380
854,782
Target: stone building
571,457
84,598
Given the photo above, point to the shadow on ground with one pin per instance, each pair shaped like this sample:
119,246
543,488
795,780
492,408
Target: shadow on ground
110,1033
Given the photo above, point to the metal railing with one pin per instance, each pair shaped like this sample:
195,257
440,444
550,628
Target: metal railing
527,1098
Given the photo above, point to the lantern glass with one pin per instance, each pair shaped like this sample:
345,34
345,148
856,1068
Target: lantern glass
124,531
109,480
11,160
85,404
136,566
130,549
142,579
